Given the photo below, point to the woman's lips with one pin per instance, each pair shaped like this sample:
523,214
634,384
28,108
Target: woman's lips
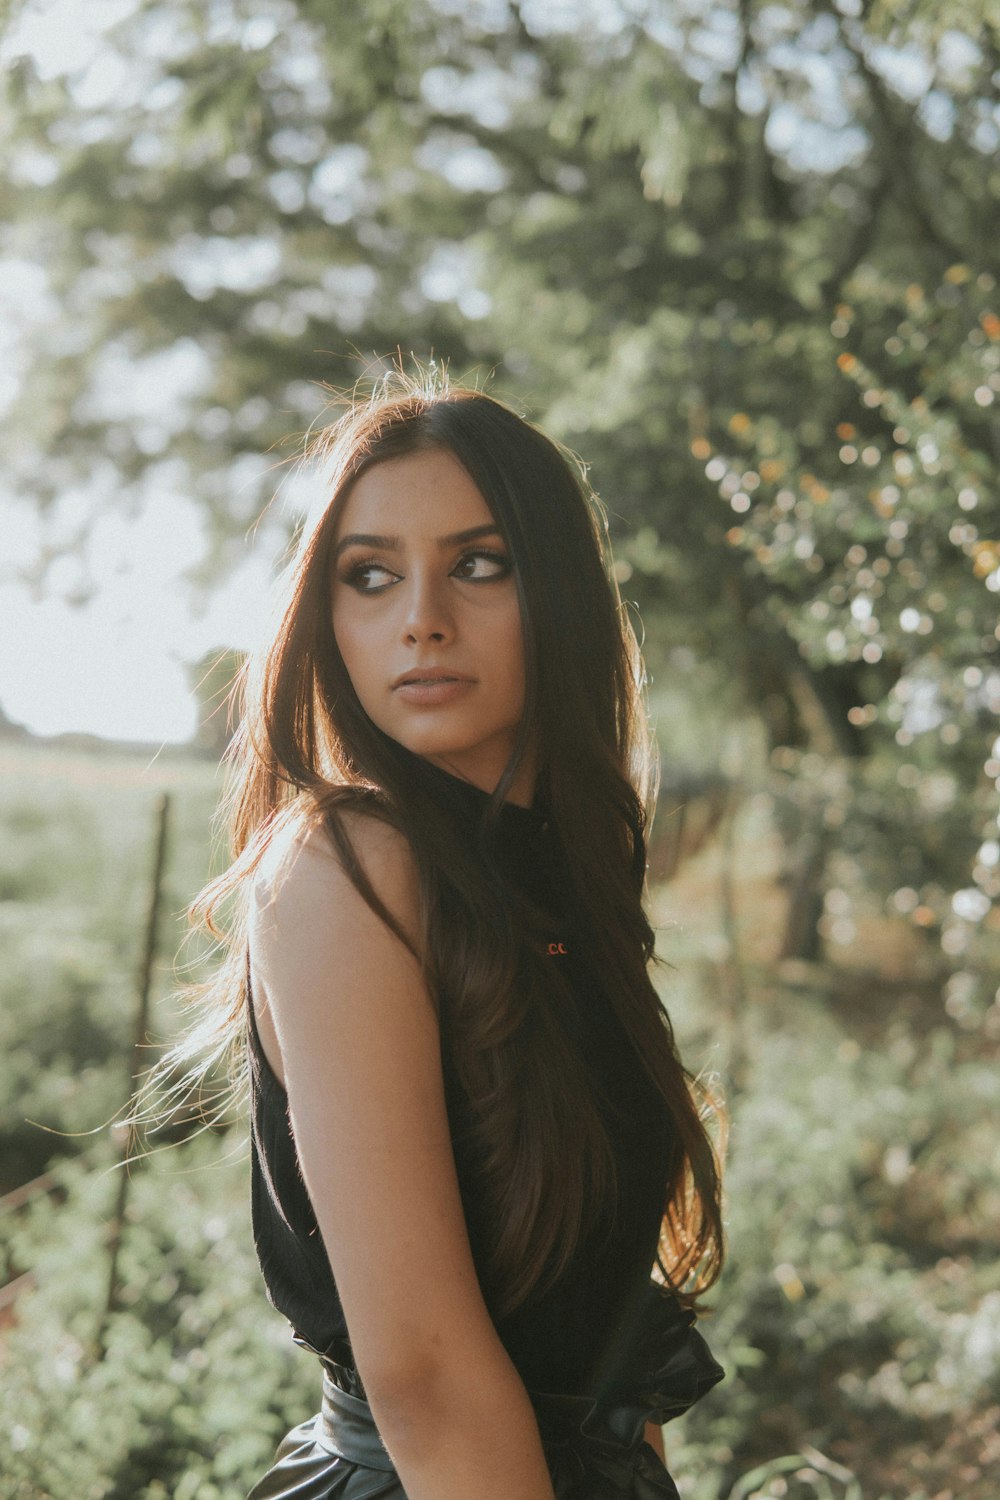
430,691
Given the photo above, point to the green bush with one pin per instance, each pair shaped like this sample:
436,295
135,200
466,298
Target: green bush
198,1379
860,1311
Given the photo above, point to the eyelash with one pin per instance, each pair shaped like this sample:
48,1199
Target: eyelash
491,555
352,576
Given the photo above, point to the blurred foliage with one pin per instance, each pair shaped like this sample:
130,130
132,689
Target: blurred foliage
858,1316
198,1381
861,1309
888,584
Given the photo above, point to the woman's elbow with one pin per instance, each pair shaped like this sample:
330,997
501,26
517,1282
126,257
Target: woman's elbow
419,1399
410,1396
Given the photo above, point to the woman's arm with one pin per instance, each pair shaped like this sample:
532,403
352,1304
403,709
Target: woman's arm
344,1006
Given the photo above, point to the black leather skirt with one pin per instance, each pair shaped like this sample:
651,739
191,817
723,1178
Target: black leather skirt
594,1445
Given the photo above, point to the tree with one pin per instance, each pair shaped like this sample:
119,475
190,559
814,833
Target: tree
650,221
874,541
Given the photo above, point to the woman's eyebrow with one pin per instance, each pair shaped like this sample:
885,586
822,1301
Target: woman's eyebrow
392,543
366,539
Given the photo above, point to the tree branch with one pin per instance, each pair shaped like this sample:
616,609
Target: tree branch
899,137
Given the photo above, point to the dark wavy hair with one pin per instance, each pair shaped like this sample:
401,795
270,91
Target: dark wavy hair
307,749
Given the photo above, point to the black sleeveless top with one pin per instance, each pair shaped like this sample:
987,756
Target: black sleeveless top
561,1340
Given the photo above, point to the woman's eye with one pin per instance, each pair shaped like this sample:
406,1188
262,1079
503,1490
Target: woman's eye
369,577
479,566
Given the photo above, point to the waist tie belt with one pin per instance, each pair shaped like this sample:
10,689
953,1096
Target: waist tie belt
346,1427
587,1459
595,1447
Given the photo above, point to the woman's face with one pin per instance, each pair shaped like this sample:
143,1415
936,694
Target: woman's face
426,616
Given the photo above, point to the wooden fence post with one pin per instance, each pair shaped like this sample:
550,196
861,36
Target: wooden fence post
162,817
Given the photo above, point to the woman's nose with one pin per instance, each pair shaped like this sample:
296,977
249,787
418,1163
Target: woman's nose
427,616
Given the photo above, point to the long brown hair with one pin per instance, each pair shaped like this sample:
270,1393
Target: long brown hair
306,748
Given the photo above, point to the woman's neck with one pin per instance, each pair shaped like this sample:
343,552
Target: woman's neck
521,791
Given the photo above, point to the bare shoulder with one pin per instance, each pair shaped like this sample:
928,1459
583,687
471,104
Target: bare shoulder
303,870
318,948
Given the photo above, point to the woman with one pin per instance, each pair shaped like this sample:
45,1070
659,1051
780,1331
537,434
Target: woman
471,1130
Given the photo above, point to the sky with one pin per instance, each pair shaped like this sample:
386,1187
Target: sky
115,665
118,666
106,645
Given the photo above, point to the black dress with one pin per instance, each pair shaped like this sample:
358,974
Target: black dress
602,1352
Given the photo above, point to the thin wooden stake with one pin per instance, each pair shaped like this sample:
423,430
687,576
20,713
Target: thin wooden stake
162,817
733,968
